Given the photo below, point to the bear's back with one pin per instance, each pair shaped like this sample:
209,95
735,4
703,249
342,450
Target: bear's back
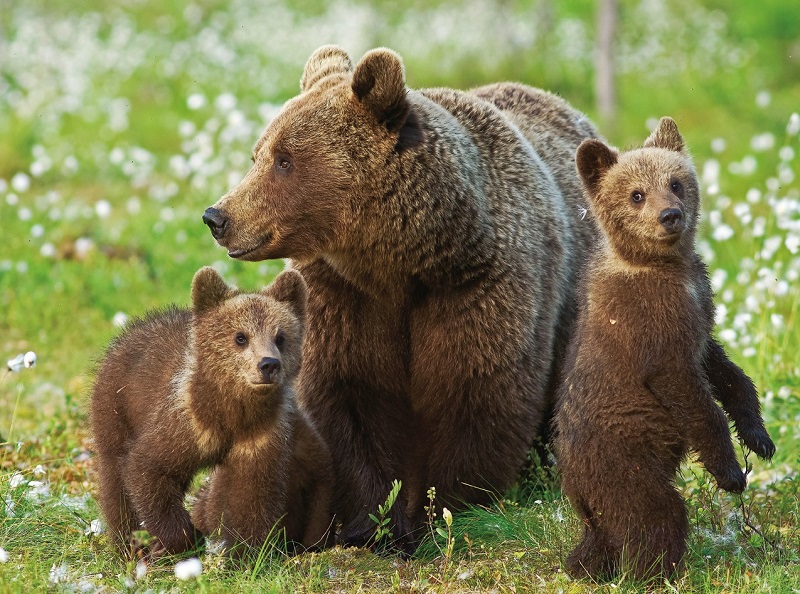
135,377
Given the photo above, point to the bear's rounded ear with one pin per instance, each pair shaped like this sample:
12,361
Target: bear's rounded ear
209,290
327,60
593,159
290,287
666,136
379,83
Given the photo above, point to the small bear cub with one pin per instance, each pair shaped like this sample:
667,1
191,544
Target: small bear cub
181,390
642,370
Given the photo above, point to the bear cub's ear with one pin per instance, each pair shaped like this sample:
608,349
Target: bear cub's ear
209,290
290,287
379,82
327,60
593,159
666,136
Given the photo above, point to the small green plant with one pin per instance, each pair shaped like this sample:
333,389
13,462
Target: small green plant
383,530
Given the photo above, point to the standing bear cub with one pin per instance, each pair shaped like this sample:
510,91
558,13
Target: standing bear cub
181,390
642,370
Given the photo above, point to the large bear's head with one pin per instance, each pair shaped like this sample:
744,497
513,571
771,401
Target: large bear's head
318,159
646,200
247,341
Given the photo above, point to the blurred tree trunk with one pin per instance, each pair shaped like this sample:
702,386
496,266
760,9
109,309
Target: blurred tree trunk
605,91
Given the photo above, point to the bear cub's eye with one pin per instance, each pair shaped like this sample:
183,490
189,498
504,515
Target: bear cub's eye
280,339
637,196
241,339
676,186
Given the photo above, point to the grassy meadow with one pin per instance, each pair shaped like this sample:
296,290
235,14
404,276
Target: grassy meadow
121,122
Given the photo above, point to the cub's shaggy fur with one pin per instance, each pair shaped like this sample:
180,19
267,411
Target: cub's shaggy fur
183,389
642,369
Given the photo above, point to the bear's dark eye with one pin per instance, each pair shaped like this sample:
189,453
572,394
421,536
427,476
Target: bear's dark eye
677,187
283,163
280,340
637,196
241,339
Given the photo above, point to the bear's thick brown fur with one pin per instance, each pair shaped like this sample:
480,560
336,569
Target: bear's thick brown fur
180,389
263,487
439,232
636,396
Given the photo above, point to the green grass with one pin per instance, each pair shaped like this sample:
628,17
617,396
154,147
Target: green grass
100,110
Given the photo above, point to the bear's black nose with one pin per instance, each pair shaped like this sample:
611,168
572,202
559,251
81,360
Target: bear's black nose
671,219
216,221
269,367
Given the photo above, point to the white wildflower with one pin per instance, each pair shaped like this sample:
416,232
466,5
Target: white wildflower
21,182
48,250
58,573
188,569
95,527
786,153
722,233
225,102
718,145
718,278
753,195
721,314
120,319
447,516
3,555
773,184
195,101
134,205
763,98
83,245
771,245
728,335
793,127
749,352
792,242
141,570
776,320
25,214
784,392
116,156
12,199
17,363
37,231
762,142
103,209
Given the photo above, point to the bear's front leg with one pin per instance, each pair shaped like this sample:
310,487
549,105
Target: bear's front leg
157,497
687,395
739,397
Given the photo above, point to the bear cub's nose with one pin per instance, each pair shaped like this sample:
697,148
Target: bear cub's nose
216,221
270,367
671,219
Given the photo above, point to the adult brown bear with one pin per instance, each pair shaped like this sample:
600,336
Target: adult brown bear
439,232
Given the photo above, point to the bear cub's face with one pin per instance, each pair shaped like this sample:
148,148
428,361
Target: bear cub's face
248,341
647,199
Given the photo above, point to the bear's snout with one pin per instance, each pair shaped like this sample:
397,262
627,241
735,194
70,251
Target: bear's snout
671,219
216,221
269,367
